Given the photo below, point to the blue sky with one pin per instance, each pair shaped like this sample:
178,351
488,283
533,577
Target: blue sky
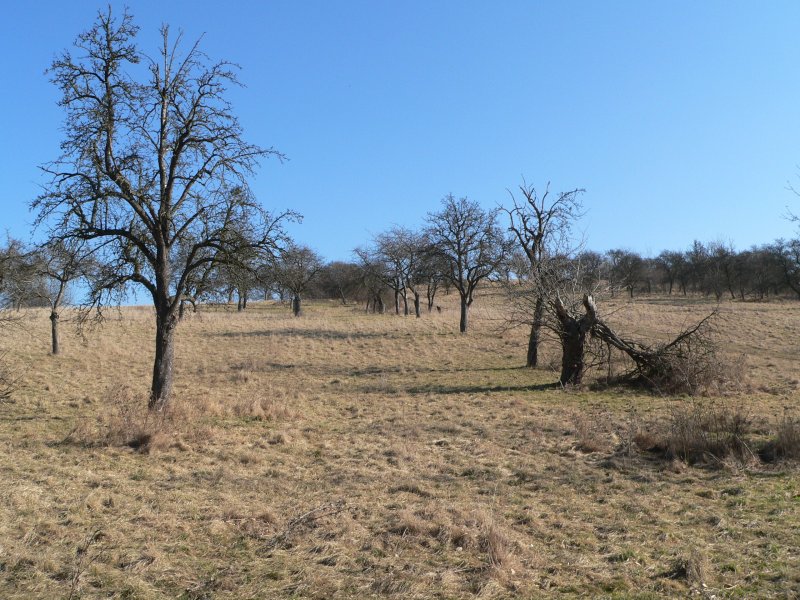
680,119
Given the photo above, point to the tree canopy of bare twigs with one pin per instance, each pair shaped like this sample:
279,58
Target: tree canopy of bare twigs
470,242
541,227
153,160
295,269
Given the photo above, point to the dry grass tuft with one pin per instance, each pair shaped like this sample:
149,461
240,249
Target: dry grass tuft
786,441
708,432
590,437
262,409
693,568
495,544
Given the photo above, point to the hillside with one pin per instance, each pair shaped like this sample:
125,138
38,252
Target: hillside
342,455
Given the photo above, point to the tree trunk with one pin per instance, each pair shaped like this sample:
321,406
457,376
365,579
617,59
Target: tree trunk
462,326
536,327
572,347
573,339
397,302
405,303
431,293
239,302
416,304
161,388
296,305
244,301
54,331
379,307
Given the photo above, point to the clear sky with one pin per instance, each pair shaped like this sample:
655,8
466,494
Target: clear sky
681,119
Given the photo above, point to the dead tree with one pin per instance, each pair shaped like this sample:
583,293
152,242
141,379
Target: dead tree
686,364
540,225
572,331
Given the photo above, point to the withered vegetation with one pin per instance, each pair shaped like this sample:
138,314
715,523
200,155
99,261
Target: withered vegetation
346,455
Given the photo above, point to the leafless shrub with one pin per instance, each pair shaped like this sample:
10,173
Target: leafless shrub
703,432
123,419
785,443
588,434
7,380
83,560
788,437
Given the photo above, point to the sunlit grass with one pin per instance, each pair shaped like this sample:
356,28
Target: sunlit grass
351,455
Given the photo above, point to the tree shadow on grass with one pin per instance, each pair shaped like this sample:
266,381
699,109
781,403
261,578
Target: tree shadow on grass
481,389
322,334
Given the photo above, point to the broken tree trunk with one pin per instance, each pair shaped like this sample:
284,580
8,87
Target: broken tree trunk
573,332
687,364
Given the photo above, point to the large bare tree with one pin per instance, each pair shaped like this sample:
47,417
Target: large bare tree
473,245
153,161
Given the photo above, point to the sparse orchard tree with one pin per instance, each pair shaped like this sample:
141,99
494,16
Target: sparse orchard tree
404,252
389,249
22,283
626,269
373,278
295,269
153,160
473,245
787,257
60,263
433,271
590,267
669,263
340,280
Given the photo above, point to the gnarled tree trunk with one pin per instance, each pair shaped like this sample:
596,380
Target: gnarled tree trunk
573,339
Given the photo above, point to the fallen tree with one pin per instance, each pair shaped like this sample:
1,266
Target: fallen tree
688,363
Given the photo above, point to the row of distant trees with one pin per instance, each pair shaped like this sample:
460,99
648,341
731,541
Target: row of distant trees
401,270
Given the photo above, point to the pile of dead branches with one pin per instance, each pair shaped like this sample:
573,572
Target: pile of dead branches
691,363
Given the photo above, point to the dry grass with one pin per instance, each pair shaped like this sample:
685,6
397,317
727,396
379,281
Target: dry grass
341,455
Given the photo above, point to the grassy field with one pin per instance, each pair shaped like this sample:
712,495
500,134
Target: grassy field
344,455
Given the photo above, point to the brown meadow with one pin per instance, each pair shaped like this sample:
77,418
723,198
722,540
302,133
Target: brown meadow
343,455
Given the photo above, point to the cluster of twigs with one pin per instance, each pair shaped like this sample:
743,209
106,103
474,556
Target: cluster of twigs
687,364
308,518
